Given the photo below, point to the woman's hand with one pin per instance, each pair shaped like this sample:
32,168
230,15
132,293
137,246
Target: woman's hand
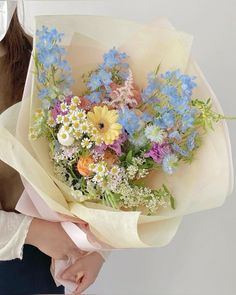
51,239
84,271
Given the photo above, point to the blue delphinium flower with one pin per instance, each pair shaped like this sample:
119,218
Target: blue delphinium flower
169,119
47,39
187,83
45,92
129,120
166,120
67,80
191,140
188,119
102,78
94,82
146,117
114,58
105,77
169,90
179,150
169,163
151,88
50,56
42,78
168,75
94,97
64,65
49,52
45,104
175,134
180,104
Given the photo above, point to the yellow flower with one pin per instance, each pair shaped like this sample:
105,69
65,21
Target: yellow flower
105,121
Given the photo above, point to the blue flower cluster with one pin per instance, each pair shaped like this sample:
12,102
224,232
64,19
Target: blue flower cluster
94,97
129,120
190,144
49,52
178,88
103,76
114,58
167,117
191,140
148,93
169,163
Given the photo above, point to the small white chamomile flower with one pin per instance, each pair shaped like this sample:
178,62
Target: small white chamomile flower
73,116
77,134
66,120
101,168
64,106
84,127
97,178
75,100
86,143
72,107
81,115
68,129
76,125
115,170
59,119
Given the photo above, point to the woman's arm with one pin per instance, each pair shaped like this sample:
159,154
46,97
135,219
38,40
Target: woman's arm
49,237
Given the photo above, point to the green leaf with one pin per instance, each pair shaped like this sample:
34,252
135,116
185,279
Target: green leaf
172,202
172,199
157,69
129,156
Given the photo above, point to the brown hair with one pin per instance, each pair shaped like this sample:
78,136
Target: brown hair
18,46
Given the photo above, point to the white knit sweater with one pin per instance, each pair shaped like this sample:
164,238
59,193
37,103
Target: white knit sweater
13,231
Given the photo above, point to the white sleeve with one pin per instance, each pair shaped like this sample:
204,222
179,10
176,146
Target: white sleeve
13,231
105,254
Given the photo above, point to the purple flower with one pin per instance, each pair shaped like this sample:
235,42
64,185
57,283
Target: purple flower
158,152
57,110
115,146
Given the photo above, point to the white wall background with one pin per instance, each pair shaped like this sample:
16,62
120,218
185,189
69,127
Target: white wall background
202,257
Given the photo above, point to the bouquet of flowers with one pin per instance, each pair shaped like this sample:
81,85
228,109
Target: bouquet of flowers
120,129
105,141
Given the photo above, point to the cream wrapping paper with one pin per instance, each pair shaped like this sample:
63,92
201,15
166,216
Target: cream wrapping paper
202,185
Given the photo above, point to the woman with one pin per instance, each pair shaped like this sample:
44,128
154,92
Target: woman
42,239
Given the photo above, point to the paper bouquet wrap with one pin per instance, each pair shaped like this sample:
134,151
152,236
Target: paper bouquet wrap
202,185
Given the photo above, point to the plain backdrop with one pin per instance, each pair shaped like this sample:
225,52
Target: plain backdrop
201,259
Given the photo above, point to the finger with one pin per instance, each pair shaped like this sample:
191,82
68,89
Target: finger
84,284
71,271
79,276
